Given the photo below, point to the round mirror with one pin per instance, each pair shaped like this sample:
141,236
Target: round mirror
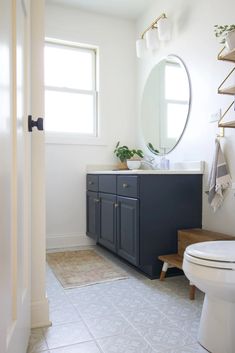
165,105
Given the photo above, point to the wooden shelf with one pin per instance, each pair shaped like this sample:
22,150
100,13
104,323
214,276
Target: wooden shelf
230,124
228,90
229,56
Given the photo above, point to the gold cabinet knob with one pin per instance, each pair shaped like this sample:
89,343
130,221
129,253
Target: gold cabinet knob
125,186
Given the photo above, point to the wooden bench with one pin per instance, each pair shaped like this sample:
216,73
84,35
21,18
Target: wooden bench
187,237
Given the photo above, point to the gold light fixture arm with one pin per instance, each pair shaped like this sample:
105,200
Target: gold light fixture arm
153,24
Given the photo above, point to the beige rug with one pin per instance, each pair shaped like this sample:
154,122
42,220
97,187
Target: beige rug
83,268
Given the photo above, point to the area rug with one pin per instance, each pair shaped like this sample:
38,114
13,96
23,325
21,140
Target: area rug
83,268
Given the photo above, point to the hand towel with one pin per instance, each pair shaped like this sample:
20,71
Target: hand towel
219,179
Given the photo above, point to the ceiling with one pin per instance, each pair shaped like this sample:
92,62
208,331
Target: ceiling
129,9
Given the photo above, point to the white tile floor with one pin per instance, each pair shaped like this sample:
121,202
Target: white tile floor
135,315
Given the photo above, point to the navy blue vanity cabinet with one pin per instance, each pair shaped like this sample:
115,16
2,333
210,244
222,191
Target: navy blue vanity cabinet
108,199
92,202
128,218
92,207
112,218
168,202
128,229
107,232
138,216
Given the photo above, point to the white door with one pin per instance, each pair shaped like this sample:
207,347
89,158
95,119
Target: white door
15,183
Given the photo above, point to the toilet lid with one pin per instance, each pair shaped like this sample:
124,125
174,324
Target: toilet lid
219,251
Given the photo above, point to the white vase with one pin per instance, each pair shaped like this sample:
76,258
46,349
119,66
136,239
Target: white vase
230,40
133,164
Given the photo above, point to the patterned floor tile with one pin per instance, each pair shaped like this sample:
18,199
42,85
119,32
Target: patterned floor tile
62,335
135,315
109,325
58,300
131,302
63,314
189,326
196,348
95,310
125,344
182,309
166,337
87,347
144,318
84,297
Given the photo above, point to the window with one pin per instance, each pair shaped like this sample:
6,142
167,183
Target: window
70,90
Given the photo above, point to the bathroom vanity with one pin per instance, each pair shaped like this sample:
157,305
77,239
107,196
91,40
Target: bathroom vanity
136,214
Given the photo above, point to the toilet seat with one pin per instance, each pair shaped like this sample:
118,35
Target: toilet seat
216,254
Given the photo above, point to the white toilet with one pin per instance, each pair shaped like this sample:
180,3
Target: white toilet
210,266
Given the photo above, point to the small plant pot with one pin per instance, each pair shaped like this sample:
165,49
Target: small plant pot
122,165
133,164
230,40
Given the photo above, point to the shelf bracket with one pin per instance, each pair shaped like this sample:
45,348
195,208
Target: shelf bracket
225,79
222,116
219,55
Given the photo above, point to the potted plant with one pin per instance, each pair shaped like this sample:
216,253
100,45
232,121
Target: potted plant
226,34
124,154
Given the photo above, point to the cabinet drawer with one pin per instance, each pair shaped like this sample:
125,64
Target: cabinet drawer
108,183
92,182
127,186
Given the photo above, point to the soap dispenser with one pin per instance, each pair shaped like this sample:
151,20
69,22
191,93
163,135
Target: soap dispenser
164,163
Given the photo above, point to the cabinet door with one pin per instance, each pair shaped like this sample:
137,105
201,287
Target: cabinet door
92,214
107,231
128,229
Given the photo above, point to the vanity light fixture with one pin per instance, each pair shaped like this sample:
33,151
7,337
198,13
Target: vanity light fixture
159,30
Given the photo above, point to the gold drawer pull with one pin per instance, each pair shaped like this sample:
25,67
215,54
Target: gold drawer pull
125,186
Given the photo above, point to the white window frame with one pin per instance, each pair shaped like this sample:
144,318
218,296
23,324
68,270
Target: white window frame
77,138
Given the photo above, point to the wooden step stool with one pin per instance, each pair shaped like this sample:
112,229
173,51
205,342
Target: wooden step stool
187,237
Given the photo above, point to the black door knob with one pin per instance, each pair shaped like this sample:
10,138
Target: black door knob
38,123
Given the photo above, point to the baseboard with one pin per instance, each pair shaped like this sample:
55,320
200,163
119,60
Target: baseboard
63,241
40,314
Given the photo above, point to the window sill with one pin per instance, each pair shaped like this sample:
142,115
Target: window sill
73,139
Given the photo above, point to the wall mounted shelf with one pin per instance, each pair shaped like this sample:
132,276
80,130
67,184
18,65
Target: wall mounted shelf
228,56
230,124
230,90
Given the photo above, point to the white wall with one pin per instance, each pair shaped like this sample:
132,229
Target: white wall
194,41
66,164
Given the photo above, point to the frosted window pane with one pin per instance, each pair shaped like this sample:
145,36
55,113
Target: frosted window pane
68,67
176,116
176,83
69,112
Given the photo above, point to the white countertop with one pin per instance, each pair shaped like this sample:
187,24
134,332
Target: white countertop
187,167
148,171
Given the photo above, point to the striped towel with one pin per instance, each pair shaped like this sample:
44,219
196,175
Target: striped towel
219,179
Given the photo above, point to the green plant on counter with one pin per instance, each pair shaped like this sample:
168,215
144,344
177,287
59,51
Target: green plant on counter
124,153
222,31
